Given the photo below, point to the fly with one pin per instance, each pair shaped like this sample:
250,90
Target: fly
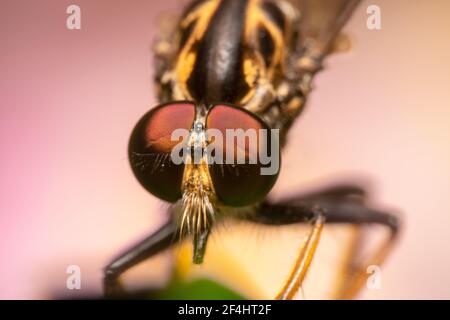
247,66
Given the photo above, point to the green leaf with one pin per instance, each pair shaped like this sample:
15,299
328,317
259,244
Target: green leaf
199,289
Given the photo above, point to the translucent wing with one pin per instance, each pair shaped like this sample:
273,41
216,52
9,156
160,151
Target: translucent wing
321,23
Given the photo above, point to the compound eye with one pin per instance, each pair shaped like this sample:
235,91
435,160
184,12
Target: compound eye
151,145
246,138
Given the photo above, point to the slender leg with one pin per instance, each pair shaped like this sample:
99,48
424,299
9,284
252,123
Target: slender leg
339,205
334,191
150,246
356,276
301,267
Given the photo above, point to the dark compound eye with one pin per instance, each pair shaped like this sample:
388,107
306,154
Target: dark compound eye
151,145
238,184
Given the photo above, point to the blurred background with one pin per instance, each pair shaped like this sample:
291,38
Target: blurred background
69,99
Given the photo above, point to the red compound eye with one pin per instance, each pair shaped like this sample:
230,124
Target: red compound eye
150,147
240,184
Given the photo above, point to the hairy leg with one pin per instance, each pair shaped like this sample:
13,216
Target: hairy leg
341,204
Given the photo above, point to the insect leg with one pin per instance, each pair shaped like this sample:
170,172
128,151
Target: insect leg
304,259
280,215
355,274
337,191
339,205
150,246
346,204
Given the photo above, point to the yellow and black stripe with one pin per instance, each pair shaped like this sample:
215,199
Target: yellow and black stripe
226,47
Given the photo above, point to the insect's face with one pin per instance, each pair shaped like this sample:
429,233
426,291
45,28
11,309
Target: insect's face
204,158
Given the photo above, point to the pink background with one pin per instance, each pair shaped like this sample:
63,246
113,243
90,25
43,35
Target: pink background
69,100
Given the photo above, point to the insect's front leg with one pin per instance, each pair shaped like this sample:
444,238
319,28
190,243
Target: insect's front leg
150,246
342,204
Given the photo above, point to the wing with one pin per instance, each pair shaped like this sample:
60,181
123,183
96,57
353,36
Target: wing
321,23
